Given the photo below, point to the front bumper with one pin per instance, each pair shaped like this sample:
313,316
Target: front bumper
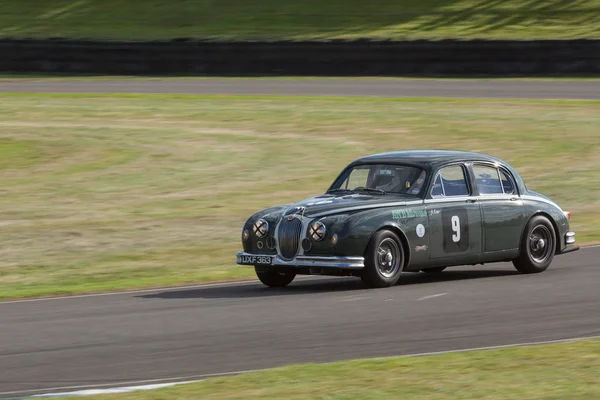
300,261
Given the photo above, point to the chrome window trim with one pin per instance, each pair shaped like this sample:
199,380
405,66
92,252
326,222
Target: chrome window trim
499,167
496,196
443,195
448,199
493,166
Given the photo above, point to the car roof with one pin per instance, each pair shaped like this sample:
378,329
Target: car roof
427,158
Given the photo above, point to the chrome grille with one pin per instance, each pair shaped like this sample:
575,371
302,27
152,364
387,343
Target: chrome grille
288,237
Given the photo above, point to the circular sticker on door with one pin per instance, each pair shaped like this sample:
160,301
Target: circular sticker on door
420,230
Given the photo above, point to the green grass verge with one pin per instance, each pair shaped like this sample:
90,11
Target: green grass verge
308,19
107,192
543,372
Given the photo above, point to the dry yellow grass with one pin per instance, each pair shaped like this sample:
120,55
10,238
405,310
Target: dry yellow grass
545,372
107,192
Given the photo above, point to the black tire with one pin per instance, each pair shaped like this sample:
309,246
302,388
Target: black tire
273,278
435,270
538,246
381,271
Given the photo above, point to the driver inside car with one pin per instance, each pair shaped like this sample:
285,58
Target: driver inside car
388,181
392,181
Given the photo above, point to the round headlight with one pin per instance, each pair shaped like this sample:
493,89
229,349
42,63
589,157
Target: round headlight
245,235
317,231
261,228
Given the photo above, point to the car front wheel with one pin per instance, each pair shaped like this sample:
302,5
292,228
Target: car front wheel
273,278
384,260
538,246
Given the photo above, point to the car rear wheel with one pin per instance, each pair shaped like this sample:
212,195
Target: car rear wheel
538,246
384,260
272,278
435,270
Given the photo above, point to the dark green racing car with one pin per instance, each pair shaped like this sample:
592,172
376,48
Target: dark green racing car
415,210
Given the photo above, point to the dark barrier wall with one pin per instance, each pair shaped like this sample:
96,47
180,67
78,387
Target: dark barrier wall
303,58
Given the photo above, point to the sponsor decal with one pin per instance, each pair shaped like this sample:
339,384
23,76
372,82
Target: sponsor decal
434,212
420,230
421,248
401,214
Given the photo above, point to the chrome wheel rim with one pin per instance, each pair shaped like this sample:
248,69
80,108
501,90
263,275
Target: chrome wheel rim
541,243
388,258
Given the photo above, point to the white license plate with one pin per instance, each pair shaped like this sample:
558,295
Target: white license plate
257,260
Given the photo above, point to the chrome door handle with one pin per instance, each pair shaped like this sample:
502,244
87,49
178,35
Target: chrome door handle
471,200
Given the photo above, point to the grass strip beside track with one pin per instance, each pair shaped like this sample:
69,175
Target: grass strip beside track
542,372
110,192
308,19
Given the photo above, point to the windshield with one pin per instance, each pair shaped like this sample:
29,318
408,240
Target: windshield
383,178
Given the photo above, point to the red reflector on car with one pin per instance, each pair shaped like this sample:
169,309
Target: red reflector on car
568,214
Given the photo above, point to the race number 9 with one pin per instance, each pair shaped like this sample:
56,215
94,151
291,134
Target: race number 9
455,228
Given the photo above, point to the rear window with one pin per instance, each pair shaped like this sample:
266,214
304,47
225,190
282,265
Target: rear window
487,180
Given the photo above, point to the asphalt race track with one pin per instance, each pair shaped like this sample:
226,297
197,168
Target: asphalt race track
574,89
184,333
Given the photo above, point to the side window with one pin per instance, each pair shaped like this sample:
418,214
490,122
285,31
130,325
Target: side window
487,179
450,181
508,183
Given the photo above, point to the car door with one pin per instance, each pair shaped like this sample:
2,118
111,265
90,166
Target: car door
454,215
504,214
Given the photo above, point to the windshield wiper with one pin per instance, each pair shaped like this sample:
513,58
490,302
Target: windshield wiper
339,190
371,190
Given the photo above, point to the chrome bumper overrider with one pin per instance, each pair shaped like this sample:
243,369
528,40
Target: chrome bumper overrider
569,244
300,261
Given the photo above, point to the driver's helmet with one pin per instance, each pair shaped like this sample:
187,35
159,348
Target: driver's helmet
387,180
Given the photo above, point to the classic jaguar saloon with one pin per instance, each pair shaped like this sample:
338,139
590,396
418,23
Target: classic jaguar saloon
415,210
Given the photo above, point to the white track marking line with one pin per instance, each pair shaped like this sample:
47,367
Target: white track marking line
153,290
354,298
199,378
126,389
170,289
176,379
432,296
502,346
